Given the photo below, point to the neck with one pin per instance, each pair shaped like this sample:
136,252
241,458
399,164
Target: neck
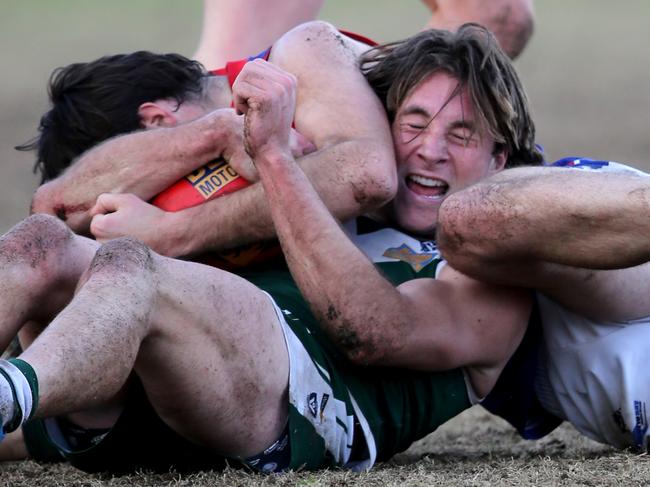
218,91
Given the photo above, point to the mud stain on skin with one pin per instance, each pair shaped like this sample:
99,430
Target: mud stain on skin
347,336
32,239
641,195
127,254
480,216
332,313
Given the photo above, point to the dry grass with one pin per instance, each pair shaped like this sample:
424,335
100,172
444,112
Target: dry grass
587,72
474,449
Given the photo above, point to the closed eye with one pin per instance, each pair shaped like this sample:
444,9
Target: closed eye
463,136
410,130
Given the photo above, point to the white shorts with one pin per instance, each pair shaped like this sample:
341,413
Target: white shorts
593,374
312,396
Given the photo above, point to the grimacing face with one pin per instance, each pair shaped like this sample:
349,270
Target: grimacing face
440,149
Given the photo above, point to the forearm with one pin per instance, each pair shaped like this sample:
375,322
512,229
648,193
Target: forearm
350,177
142,163
356,306
554,215
335,108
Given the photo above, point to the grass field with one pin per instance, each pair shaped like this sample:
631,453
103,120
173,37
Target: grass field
587,72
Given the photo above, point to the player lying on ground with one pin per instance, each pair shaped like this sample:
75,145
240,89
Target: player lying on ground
336,110
579,238
330,409
425,255
516,229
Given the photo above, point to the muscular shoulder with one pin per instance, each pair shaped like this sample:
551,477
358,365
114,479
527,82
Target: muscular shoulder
314,41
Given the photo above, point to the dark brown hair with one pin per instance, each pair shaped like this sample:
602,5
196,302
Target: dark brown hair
97,100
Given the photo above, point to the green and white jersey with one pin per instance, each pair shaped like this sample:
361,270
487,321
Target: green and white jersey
330,398
400,257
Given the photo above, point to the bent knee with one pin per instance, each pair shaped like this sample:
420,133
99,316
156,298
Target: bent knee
33,239
125,254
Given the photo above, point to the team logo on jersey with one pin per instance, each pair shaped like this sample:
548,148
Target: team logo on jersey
641,423
406,254
323,403
212,177
312,403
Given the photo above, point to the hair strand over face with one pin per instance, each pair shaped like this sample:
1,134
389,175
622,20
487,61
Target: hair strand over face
473,57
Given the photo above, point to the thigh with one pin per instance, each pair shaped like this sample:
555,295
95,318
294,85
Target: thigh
215,365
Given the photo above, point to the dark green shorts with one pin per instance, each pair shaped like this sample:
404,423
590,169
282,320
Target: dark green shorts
339,414
334,402
139,440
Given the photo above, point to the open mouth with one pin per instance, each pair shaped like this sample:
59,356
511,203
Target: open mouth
428,187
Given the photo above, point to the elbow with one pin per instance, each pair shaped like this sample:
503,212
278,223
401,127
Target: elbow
383,187
42,201
356,347
470,228
365,355
451,228
312,29
375,184
47,200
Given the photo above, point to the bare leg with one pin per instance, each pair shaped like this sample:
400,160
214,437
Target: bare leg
207,346
511,21
41,261
233,30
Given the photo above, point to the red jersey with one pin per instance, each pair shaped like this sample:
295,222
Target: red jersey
218,178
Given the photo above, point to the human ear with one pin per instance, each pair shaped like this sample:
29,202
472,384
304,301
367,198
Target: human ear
498,161
153,115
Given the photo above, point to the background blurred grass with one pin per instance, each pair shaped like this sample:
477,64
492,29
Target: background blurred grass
587,68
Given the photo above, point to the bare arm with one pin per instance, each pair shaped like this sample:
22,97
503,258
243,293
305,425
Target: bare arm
573,235
234,30
353,170
142,163
424,324
524,218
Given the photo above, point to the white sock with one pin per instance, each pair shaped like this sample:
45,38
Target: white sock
15,396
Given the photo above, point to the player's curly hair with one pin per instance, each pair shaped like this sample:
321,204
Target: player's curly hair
94,101
471,55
